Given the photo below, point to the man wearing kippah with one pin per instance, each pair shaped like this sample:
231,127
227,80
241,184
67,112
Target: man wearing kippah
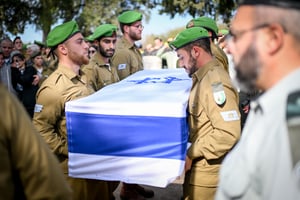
100,70
66,83
212,28
213,114
264,41
127,58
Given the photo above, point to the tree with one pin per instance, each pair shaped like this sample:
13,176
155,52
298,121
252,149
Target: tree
15,15
213,8
97,12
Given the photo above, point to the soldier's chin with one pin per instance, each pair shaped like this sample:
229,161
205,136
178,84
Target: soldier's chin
85,60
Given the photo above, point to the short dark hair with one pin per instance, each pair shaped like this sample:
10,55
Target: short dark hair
16,38
19,55
204,43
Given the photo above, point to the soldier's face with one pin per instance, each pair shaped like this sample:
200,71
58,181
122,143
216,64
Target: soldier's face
135,31
107,46
186,61
78,49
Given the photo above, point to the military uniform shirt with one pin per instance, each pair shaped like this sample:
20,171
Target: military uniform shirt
214,122
260,166
28,169
61,86
127,58
99,73
220,56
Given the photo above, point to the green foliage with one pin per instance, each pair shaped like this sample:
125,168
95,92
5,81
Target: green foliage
195,8
98,12
15,15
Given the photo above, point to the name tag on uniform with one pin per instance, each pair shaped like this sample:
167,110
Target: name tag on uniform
121,66
231,115
38,108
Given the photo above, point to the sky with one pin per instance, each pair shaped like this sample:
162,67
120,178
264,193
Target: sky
157,25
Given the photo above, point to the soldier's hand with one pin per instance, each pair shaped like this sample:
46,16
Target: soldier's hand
36,79
188,164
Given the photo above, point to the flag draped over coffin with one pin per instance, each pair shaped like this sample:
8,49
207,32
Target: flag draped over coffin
133,131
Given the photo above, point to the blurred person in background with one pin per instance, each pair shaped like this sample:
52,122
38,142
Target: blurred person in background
25,81
6,46
264,41
28,168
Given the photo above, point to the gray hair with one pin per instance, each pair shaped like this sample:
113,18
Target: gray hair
33,47
287,18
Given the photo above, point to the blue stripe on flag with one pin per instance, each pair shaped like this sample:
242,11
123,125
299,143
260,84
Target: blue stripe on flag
136,136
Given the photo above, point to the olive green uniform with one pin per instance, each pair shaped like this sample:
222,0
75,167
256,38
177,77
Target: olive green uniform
99,73
220,55
28,169
214,129
127,58
61,86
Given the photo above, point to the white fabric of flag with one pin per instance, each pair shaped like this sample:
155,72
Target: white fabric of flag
134,131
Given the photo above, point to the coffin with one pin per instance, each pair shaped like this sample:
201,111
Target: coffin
134,131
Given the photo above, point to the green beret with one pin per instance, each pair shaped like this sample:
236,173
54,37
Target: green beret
130,17
89,38
104,30
204,22
293,4
39,43
187,36
61,33
223,32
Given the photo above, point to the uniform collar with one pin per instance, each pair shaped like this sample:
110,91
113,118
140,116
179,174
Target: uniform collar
127,44
200,73
98,60
68,72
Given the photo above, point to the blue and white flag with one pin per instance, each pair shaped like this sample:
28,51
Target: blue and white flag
134,131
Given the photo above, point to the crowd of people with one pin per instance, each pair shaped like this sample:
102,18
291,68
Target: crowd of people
230,155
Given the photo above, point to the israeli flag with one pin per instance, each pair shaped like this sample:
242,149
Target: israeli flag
134,131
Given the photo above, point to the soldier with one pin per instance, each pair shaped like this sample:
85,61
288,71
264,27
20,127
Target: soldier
66,83
264,42
100,70
28,169
213,113
128,58
212,28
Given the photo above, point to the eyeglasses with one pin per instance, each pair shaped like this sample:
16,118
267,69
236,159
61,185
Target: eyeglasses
16,60
140,26
238,34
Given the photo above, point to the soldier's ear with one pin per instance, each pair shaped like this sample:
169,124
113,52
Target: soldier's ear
195,52
62,49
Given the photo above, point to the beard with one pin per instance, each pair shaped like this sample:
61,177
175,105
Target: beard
193,68
134,36
106,54
247,70
82,59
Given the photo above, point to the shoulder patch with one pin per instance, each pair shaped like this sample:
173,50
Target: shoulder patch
219,93
122,66
38,108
